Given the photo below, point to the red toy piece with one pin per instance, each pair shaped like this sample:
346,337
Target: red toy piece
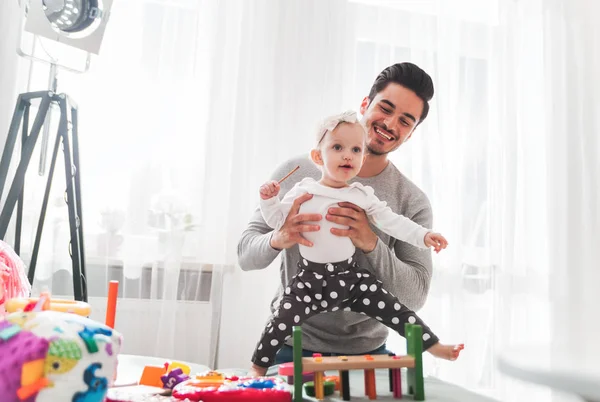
287,370
245,389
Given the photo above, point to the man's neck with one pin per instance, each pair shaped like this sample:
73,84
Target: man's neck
374,164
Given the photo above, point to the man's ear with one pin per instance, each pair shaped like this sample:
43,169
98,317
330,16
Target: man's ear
315,155
364,105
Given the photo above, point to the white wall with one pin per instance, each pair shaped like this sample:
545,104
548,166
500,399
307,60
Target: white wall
246,300
9,62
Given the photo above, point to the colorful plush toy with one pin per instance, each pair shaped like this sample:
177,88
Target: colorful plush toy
13,280
50,356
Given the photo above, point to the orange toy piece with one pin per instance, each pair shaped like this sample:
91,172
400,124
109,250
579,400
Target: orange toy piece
210,379
334,379
370,385
151,376
111,304
28,391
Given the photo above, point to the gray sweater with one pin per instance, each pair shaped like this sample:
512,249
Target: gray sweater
405,270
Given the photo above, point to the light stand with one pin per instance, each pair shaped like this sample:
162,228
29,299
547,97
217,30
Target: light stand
64,21
67,134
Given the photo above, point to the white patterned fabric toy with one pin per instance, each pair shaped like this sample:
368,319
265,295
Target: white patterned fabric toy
49,356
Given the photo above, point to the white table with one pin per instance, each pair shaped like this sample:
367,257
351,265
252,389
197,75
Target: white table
555,368
435,390
131,367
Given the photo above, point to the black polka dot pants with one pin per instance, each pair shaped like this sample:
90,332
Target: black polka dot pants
319,288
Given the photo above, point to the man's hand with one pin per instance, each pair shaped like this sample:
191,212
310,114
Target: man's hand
359,230
293,227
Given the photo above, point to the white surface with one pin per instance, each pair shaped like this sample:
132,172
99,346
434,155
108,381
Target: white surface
131,367
435,390
575,373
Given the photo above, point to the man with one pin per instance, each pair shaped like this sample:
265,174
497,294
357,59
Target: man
397,103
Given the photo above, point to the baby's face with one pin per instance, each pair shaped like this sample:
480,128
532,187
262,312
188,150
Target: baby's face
343,152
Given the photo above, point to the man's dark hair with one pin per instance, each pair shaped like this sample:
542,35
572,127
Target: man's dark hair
409,76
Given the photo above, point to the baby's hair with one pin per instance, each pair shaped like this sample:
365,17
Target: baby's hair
330,123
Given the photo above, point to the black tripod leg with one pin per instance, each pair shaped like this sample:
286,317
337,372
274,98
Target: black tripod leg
38,234
19,224
11,139
71,202
77,179
19,180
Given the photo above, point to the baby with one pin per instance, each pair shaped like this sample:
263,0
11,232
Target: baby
328,277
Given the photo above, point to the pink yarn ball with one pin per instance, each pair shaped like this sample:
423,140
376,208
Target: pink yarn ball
13,279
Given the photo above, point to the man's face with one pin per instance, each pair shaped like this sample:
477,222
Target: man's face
390,118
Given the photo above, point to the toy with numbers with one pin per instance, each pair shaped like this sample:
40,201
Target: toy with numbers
166,376
211,386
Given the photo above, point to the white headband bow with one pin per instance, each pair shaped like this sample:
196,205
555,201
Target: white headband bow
332,122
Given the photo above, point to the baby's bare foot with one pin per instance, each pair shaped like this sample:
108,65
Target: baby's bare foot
448,352
257,371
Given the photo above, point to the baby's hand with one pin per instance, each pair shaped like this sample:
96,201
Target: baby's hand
436,240
269,190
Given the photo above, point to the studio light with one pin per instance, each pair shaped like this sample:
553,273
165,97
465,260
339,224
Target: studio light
77,23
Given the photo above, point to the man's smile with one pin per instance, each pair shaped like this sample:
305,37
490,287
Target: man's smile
383,133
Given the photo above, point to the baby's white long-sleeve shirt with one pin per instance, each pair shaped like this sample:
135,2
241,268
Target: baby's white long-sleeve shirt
328,247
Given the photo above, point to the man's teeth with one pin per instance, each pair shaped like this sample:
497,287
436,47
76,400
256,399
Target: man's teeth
383,134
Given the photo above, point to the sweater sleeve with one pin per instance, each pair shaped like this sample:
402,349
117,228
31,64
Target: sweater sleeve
254,249
405,269
274,211
395,225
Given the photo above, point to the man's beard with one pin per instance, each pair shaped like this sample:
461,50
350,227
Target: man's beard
374,152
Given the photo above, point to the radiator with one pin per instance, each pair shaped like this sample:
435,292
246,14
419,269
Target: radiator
181,326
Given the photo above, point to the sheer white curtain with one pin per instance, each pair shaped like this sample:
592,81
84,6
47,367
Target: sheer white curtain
188,108
9,28
279,68
478,158
192,103
573,148
509,157
143,109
